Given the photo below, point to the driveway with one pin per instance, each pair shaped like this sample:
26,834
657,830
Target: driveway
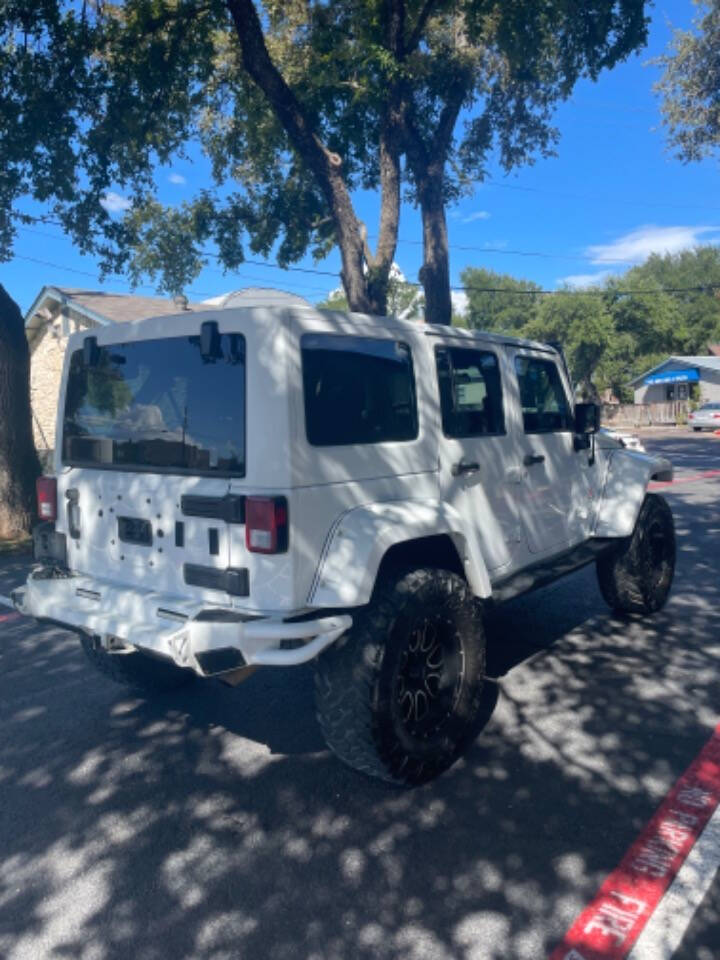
212,823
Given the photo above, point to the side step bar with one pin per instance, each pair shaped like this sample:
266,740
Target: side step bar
547,571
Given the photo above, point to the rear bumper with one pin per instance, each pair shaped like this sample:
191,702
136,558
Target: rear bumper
210,640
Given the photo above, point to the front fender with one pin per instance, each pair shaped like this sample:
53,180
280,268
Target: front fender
626,481
361,537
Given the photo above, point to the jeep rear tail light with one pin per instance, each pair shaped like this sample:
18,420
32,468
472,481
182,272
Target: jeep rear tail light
266,524
47,498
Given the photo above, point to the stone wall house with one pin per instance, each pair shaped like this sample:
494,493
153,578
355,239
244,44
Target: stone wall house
56,313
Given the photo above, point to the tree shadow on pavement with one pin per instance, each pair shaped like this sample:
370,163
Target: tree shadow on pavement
213,824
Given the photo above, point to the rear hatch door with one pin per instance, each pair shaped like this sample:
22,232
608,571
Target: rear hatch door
153,435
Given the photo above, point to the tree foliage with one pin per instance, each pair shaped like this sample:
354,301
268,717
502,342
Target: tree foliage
690,86
296,106
404,300
497,301
668,305
583,324
507,63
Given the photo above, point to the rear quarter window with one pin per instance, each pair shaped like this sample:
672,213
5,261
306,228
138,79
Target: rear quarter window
357,390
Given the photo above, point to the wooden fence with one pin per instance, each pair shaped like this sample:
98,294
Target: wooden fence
645,414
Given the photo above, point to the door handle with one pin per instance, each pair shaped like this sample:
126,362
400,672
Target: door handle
463,466
530,458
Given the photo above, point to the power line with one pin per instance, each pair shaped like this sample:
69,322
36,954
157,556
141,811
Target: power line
523,253
607,200
467,248
95,276
704,288
145,286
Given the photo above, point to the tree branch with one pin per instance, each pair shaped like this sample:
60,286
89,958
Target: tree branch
448,118
389,187
394,11
324,164
417,31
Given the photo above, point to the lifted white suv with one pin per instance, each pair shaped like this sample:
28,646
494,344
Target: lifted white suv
267,485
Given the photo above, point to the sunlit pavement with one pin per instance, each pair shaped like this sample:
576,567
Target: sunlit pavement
213,823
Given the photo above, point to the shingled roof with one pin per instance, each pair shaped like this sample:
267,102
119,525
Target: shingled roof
96,308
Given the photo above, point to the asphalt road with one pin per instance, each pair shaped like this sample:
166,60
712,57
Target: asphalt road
212,823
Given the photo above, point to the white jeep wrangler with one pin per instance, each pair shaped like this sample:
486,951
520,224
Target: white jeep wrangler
273,484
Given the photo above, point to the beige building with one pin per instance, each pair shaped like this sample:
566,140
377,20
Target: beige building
56,313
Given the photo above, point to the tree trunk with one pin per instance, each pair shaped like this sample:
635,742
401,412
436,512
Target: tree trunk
435,271
380,263
325,165
427,165
19,465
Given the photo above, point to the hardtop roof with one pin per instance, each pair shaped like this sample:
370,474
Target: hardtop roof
257,314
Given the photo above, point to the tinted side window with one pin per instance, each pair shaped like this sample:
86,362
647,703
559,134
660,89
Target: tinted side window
545,406
357,390
470,392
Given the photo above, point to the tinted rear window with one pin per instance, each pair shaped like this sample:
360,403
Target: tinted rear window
357,390
158,405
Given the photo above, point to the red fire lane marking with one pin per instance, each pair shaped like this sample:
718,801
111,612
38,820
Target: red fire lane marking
9,617
610,925
705,475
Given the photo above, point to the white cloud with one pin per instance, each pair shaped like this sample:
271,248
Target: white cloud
115,202
579,280
176,178
459,302
478,215
636,246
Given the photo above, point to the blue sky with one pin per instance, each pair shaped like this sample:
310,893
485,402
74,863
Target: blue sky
611,197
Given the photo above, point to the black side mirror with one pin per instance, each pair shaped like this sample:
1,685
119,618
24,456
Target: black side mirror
587,418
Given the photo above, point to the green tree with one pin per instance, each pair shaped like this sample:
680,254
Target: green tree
583,325
43,94
498,301
690,86
686,320
19,464
298,105
507,64
404,300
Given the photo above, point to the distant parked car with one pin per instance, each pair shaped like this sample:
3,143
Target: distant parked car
706,417
628,440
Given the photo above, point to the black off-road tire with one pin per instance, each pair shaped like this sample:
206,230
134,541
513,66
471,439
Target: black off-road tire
398,696
145,673
635,576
